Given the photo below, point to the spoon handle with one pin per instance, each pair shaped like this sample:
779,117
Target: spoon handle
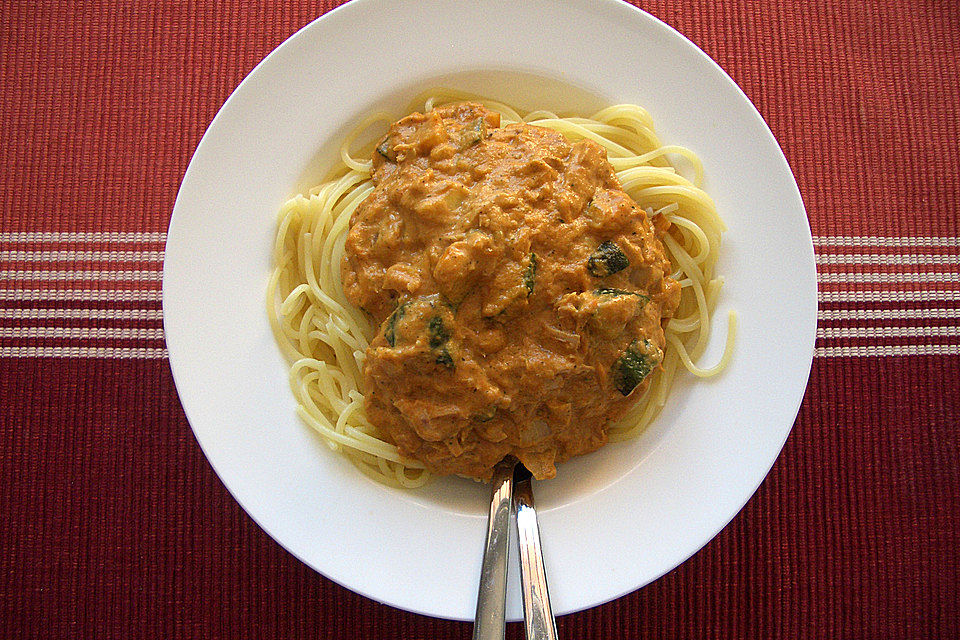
492,595
537,614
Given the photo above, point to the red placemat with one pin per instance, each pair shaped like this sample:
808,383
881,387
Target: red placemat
113,525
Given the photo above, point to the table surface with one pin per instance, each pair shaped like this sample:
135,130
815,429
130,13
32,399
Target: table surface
113,525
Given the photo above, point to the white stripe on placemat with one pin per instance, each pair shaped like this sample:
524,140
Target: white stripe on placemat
81,256
82,333
83,236
883,259
80,295
829,333
81,314
887,314
888,296
886,278
888,350
68,275
885,241
83,352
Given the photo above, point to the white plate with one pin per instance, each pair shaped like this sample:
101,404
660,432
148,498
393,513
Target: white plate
612,521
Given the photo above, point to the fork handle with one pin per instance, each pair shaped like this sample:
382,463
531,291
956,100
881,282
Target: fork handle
490,620
537,613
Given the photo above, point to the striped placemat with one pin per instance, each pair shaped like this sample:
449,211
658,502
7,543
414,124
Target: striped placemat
81,295
888,296
97,295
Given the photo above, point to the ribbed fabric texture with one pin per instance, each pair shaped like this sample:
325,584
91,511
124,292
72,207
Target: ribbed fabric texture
112,523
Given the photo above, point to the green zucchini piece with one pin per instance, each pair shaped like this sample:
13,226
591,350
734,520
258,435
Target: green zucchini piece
385,149
530,274
390,331
438,333
607,291
438,337
606,260
443,357
635,364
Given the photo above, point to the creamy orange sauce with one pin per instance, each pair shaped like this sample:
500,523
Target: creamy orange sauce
520,293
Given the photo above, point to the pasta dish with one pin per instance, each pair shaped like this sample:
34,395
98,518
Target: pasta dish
486,282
